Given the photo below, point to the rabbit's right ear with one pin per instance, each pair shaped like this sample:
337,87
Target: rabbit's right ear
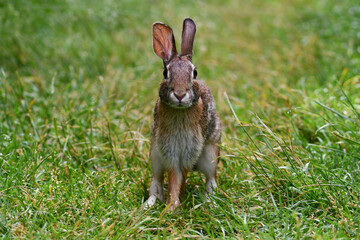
164,42
187,38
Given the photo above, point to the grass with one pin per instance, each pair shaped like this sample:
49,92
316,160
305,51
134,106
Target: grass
78,82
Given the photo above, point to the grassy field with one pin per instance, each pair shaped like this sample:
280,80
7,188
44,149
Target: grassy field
78,82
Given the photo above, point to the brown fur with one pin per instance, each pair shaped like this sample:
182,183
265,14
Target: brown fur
174,188
186,129
168,115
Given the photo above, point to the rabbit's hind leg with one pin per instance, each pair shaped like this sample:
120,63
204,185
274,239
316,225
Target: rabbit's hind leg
207,164
157,182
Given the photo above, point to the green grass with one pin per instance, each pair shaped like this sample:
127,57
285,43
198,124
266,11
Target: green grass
78,82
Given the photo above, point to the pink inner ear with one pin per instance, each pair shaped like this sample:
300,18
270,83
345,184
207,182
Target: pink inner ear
163,42
158,48
168,47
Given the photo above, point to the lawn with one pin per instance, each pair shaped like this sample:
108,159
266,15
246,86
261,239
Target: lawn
78,83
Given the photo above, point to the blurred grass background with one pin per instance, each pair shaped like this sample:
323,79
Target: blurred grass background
78,82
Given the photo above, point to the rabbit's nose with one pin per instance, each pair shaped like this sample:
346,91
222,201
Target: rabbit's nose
179,96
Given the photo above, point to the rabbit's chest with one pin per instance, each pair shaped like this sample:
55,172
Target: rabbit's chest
178,135
181,148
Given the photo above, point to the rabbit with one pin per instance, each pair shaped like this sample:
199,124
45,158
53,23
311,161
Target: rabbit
186,130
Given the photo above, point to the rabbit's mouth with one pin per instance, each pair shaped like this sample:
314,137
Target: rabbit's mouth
180,105
183,102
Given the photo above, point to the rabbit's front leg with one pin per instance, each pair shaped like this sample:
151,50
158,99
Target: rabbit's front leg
175,182
183,183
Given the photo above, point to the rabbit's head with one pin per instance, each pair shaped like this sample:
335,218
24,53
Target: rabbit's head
178,88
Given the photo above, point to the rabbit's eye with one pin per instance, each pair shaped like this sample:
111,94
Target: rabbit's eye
165,73
195,73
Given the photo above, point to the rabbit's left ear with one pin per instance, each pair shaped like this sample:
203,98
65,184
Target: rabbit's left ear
164,42
187,38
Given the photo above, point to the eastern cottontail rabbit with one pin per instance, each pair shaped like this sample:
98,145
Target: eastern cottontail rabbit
186,129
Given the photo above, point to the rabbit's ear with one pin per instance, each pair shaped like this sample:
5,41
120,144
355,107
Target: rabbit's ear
164,42
187,38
